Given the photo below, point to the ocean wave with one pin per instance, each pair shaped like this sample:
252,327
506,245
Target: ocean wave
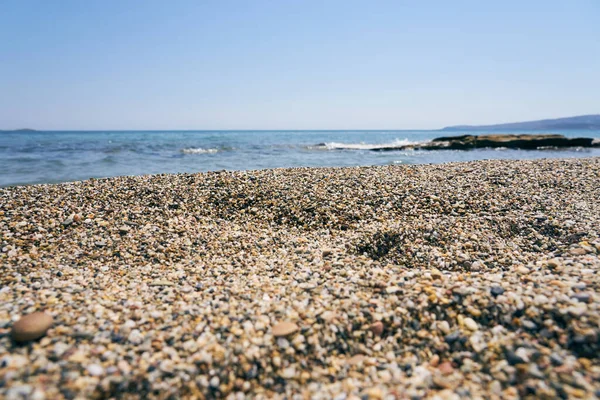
108,160
362,145
198,150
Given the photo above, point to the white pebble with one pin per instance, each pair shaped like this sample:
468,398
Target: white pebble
95,370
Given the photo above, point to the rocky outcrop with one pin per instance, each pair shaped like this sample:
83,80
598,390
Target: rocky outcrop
526,142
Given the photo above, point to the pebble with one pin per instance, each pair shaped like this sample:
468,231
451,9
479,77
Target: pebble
452,337
356,359
392,289
529,325
31,327
556,359
577,310
436,274
471,324
446,368
513,358
497,291
495,388
214,382
523,270
328,316
288,373
95,370
284,328
582,297
554,263
578,251
135,337
377,328
444,327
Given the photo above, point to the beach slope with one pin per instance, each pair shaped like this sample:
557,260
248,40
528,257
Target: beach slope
457,280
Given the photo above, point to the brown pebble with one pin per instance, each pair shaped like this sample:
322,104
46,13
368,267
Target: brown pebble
553,263
356,359
446,368
377,328
31,327
284,328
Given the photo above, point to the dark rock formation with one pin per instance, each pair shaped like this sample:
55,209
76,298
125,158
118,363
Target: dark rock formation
526,142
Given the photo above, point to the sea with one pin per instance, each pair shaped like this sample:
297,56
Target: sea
35,157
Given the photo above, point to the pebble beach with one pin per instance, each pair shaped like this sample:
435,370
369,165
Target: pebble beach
449,281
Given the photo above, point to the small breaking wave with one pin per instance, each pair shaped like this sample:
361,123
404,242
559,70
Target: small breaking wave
198,150
362,145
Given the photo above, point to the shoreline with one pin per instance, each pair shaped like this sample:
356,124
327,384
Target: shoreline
74,156
260,170
461,279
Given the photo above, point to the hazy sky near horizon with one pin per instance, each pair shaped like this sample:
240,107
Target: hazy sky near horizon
190,64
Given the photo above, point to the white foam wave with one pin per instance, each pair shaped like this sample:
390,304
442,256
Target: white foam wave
367,146
198,150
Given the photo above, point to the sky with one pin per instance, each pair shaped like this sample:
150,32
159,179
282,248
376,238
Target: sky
193,64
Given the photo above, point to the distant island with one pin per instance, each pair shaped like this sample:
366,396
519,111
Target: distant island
19,130
579,122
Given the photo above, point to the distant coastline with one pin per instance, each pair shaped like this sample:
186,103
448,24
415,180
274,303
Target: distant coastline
582,122
18,130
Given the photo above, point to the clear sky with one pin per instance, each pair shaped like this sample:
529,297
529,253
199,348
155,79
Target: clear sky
328,64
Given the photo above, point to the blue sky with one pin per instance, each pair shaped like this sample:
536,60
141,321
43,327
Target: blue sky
192,64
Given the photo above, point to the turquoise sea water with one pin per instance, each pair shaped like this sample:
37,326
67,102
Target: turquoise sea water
48,157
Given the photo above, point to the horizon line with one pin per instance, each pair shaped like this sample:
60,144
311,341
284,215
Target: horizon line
483,126
216,130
